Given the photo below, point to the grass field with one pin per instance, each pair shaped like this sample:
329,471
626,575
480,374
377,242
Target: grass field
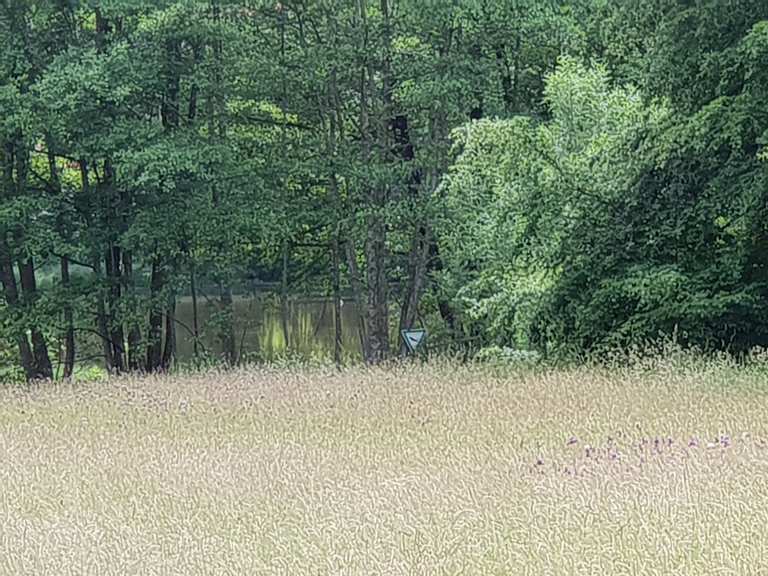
439,469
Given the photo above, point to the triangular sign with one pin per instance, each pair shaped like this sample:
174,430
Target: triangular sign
413,338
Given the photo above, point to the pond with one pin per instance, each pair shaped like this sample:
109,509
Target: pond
259,331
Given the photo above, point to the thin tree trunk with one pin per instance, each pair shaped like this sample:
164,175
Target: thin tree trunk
191,116
417,271
376,241
419,252
169,351
69,326
155,335
109,323
333,137
227,336
134,330
162,311
335,248
102,29
516,76
365,140
377,311
115,281
102,323
217,129
359,296
102,326
195,89
284,312
378,308
195,321
337,336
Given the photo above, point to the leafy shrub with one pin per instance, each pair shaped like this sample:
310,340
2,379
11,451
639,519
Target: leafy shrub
504,356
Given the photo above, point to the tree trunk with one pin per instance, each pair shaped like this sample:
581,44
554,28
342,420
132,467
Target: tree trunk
134,330
11,293
377,311
195,321
102,324
417,272
43,368
284,312
376,240
155,335
115,280
162,311
169,351
169,109
69,327
435,264
334,128
336,281
419,252
378,305
7,276
359,295
102,29
227,335
217,130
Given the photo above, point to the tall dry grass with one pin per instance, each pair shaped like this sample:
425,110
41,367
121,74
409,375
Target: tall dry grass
439,469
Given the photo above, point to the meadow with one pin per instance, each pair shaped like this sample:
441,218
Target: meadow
436,469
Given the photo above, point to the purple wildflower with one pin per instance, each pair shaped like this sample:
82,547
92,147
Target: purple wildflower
693,442
572,440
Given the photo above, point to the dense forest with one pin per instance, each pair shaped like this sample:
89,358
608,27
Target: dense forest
564,176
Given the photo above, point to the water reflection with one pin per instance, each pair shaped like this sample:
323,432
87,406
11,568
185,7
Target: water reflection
259,331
